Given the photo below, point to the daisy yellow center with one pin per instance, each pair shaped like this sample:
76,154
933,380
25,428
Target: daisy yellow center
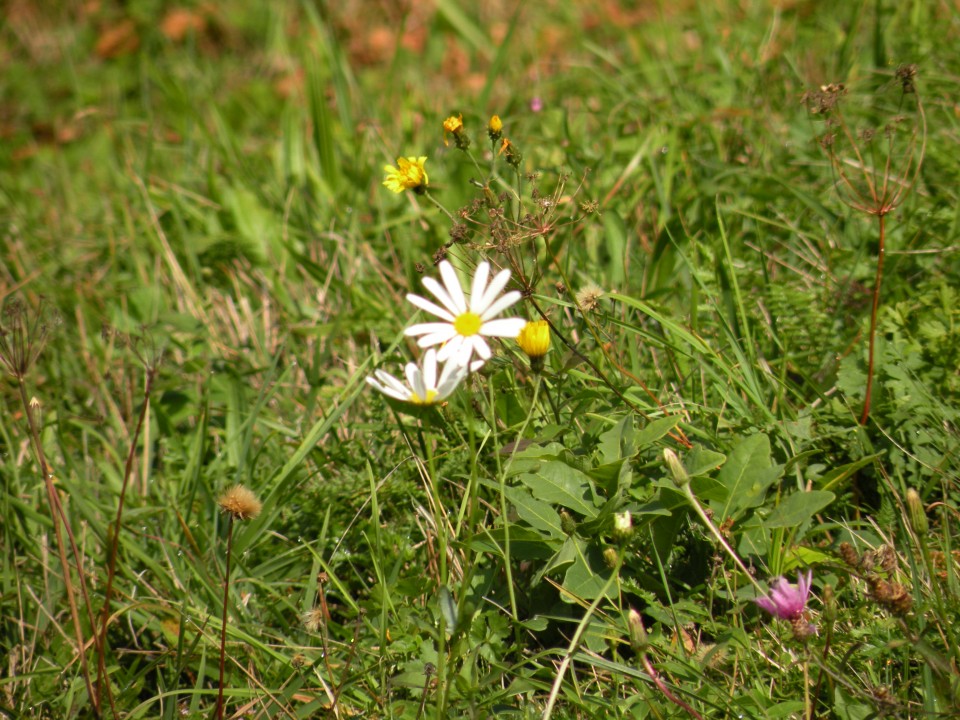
467,324
428,400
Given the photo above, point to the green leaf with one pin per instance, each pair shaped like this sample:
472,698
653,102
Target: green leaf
798,507
746,475
587,575
700,461
615,233
525,544
539,515
559,484
448,608
655,430
617,442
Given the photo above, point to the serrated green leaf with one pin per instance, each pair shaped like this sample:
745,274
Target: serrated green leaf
746,475
617,442
559,484
539,515
798,507
655,430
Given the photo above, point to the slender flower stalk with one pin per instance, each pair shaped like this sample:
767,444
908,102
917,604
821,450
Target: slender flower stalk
239,503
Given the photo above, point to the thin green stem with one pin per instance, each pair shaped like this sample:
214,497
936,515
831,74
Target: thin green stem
223,621
577,636
864,416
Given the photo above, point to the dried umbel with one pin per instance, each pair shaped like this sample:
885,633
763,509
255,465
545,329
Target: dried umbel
23,337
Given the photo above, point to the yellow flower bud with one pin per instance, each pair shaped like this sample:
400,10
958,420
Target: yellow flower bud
495,128
534,340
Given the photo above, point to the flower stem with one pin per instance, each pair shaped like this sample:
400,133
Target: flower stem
873,320
223,622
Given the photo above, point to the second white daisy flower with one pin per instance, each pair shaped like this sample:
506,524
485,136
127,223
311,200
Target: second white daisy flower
423,386
466,325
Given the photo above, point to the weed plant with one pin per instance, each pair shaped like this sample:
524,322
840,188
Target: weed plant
525,360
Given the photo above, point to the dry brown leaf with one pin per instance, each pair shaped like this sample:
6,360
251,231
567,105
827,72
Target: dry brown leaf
180,22
119,39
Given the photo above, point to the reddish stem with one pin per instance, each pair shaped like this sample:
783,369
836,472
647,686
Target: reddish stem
652,672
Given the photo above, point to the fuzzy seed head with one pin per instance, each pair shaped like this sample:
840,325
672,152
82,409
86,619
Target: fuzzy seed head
588,298
241,503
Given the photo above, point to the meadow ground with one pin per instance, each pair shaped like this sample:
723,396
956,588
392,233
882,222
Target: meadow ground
715,476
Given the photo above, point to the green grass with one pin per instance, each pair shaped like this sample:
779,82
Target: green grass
199,223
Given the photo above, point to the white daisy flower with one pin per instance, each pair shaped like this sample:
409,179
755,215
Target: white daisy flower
423,387
466,325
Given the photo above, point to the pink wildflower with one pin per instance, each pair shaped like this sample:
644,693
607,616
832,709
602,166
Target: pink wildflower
787,601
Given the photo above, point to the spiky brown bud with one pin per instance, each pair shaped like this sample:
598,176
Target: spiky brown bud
886,558
241,503
849,555
802,630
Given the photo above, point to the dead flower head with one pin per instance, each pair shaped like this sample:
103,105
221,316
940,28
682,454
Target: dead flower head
240,502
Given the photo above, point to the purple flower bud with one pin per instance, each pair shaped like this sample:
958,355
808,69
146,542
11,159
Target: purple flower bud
536,104
787,601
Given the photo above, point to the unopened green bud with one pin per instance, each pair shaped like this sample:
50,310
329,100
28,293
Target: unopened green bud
611,557
622,526
638,634
677,471
917,513
567,523
829,600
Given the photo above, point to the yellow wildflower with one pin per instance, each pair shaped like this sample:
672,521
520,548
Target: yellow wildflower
409,175
452,125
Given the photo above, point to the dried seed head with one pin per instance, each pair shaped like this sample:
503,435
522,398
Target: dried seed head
588,298
886,558
849,555
314,619
907,75
241,503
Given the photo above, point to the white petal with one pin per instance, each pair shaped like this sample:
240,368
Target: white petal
500,305
445,298
451,349
429,328
480,345
424,304
415,379
505,327
451,377
437,338
429,373
389,386
479,285
391,382
452,283
499,282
